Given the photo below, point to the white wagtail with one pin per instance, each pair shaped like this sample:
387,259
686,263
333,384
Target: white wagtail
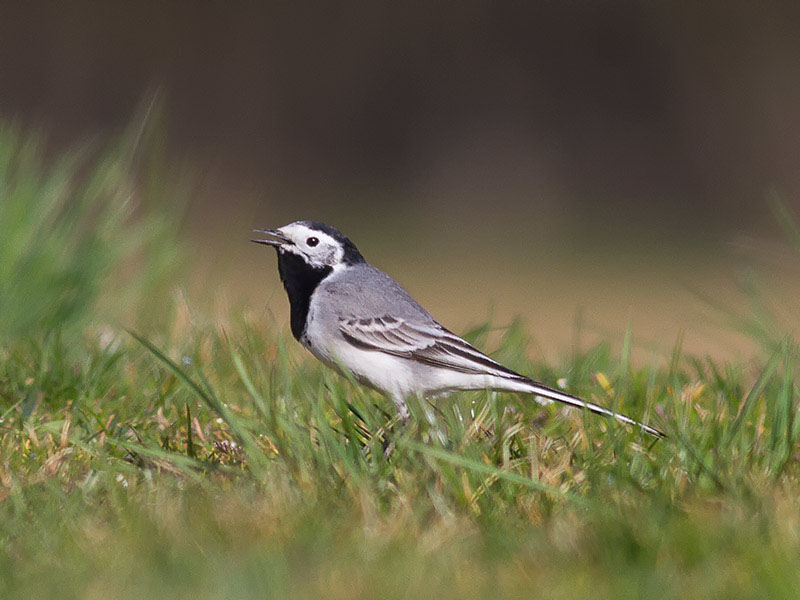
354,317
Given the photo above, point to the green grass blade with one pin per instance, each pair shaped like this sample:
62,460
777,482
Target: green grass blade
754,393
254,453
511,477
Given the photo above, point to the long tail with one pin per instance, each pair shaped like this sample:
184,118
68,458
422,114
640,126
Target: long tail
534,387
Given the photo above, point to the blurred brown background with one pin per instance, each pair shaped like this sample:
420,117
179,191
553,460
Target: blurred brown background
538,158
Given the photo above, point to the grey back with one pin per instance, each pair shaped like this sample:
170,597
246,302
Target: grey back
366,292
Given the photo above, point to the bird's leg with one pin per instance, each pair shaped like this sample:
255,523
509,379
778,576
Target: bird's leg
402,411
405,417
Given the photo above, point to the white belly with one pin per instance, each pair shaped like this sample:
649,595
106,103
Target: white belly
386,373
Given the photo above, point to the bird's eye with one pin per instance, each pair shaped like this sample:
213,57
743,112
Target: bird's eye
312,241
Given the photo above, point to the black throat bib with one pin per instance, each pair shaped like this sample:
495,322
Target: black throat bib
300,280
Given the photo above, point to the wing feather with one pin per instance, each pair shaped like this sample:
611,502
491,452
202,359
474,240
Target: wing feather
427,343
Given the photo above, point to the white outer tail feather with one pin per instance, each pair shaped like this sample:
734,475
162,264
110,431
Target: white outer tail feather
551,394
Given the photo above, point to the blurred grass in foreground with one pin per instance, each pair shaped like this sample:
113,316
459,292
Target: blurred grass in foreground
84,237
214,460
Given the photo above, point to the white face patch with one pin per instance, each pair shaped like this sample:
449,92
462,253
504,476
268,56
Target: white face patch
317,248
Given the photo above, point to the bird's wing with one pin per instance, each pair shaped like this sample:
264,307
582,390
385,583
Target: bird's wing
428,343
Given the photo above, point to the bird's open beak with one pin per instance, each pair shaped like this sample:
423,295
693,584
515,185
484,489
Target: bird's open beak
278,241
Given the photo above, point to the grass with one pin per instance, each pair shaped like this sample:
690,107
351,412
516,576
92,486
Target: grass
198,458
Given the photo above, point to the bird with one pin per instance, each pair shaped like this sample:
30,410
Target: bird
356,319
